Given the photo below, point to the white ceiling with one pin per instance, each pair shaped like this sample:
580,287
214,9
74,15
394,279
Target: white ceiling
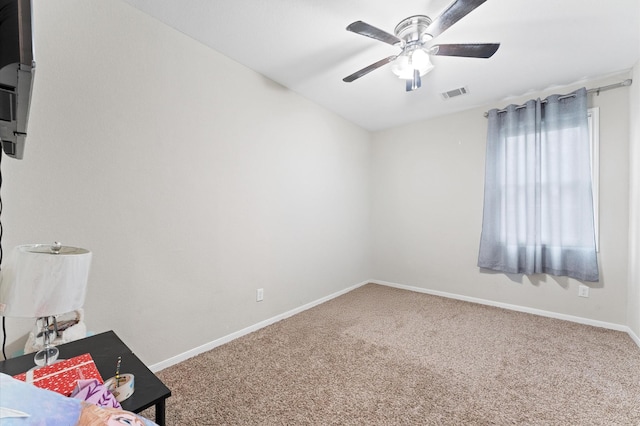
303,45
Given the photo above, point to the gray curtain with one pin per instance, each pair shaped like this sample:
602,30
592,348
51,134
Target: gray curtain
538,211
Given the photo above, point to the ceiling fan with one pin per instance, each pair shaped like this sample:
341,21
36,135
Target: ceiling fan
413,36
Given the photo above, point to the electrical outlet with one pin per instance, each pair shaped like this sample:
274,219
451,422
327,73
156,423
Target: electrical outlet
259,294
583,290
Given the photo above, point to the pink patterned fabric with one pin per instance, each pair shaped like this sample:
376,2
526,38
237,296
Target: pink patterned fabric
96,393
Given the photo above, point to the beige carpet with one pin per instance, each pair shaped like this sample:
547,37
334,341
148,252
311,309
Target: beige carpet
384,356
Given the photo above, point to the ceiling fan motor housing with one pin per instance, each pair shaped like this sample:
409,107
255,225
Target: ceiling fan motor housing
414,29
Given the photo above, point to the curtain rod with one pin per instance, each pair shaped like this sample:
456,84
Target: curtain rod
596,90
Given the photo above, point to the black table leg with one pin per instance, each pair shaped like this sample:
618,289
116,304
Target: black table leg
160,412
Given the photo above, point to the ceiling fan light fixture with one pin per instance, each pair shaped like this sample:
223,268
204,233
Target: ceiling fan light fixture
411,60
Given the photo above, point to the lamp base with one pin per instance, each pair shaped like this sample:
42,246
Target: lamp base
46,356
49,353
71,327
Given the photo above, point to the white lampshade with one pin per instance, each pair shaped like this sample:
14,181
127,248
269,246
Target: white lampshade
415,59
40,282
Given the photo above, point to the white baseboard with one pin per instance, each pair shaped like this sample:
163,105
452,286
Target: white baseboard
634,337
226,339
549,314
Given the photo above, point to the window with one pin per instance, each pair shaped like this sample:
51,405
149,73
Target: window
539,201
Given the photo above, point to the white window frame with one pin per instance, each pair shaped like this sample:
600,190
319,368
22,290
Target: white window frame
594,144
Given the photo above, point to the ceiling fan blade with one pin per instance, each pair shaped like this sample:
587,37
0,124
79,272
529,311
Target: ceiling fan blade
365,29
367,70
451,15
472,50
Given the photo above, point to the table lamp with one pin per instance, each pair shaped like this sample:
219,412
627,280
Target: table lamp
43,281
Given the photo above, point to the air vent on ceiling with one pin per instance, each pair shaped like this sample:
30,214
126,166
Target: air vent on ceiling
455,92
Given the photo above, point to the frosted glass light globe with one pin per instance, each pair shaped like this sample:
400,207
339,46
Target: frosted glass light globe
408,61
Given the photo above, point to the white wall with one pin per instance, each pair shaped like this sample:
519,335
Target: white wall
192,179
633,309
634,212
428,182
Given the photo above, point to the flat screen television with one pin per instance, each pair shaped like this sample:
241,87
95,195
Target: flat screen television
16,74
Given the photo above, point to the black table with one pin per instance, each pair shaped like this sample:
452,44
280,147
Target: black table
105,348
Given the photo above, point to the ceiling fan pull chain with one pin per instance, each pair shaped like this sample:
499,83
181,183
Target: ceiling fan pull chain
415,82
